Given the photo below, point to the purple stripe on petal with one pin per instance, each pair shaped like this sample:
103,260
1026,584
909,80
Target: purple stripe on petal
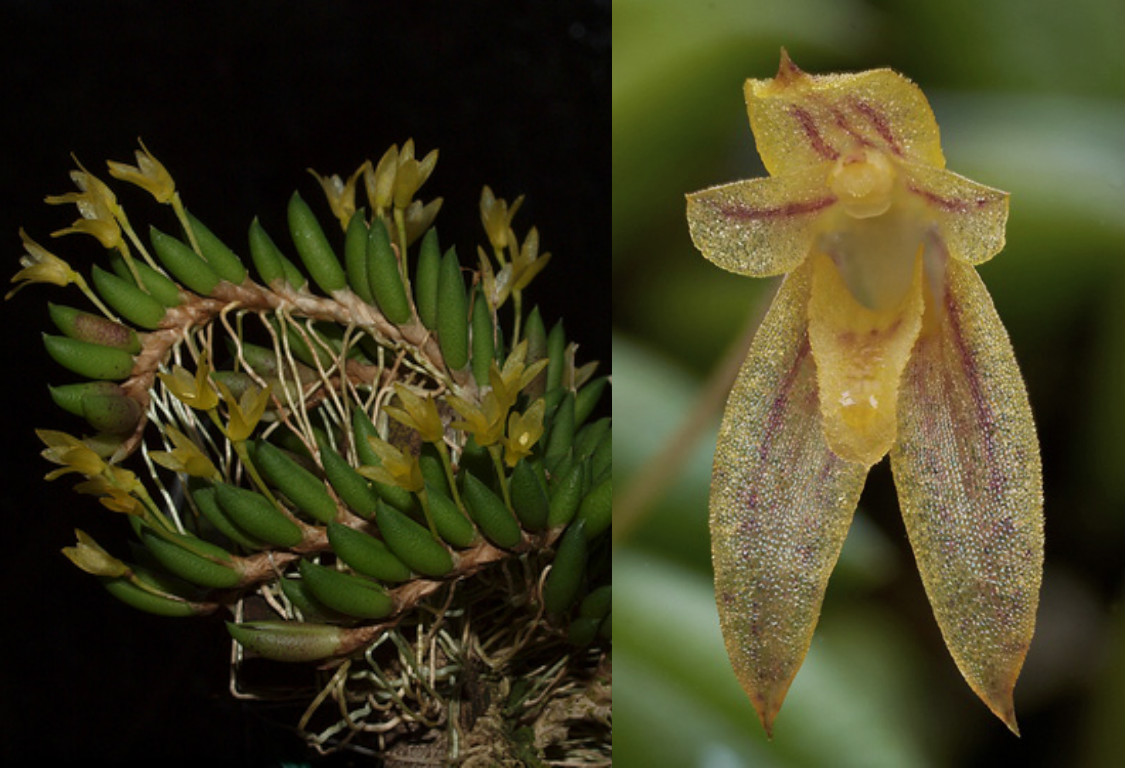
801,208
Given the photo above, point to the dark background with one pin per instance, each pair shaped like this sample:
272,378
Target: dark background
237,100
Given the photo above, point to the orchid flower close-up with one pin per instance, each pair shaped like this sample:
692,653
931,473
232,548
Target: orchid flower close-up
881,339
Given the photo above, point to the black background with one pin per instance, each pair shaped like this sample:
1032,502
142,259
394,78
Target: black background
237,99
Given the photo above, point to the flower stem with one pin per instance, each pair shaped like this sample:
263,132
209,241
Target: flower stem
443,451
496,453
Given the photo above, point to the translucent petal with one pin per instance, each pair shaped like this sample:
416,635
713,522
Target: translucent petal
971,217
800,120
969,482
860,354
760,227
781,504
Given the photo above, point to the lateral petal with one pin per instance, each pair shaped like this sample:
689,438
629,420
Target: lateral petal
970,217
860,355
760,227
969,482
781,504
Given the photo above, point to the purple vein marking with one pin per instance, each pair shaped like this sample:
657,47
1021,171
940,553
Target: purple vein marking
808,125
842,123
781,400
879,123
986,422
746,213
948,203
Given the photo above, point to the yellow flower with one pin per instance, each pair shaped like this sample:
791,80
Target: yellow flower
114,490
524,431
341,196
418,218
245,413
91,558
496,286
42,266
526,261
882,338
97,205
193,391
485,421
148,174
510,381
396,467
186,457
397,177
418,413
73,454
496,216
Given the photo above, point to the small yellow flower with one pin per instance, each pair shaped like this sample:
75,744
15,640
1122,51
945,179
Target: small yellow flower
397,177
496,216
193,391
91,558
524,431
244,413
418,218
98,206
186,457
485,421
114,490
526,261
73,454
42,266
396,467
510,381
495,285
418,413
148,174
341,196
882,339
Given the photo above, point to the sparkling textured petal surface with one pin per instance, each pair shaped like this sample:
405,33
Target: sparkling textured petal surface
971,217
760,227
800,120
781,504
969,481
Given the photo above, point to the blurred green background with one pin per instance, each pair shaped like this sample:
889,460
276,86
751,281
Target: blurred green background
1030,97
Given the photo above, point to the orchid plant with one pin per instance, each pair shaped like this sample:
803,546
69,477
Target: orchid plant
373,467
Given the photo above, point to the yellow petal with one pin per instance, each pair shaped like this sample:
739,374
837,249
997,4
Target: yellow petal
971,217
420,414
380,181
781,504
530,271
760,227
800,120
969,481
90,557
251,407
149,174
406,182
426,166
418,218
860,354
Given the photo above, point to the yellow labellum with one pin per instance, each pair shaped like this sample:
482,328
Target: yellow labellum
860,354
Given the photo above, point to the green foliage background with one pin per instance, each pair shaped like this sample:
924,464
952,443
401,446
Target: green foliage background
1030,97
